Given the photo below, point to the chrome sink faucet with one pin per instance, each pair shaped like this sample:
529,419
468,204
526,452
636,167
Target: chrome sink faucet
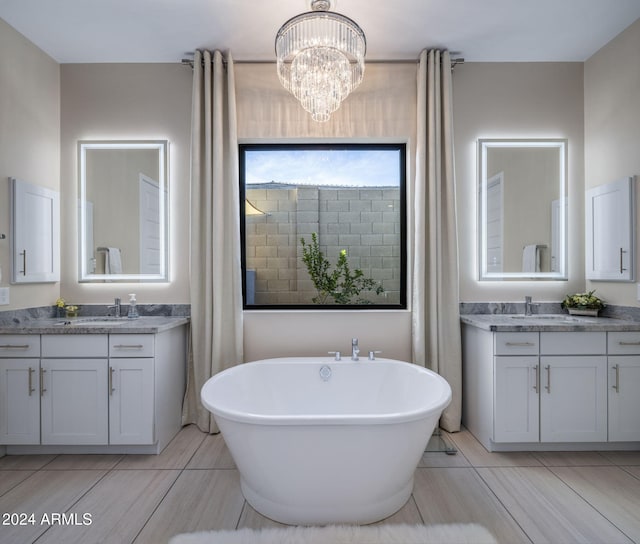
116,307
528,306
355,350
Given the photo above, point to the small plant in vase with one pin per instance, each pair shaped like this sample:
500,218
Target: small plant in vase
583,304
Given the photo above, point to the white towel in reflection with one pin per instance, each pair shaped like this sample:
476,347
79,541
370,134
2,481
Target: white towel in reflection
531,258
113,261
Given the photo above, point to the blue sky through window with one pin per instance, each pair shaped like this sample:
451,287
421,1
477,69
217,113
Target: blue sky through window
341,167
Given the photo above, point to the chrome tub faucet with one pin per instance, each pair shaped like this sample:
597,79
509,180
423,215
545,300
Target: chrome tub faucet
355,350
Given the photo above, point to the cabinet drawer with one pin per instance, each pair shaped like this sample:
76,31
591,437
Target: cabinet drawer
131,345
573,343
19,345
516,343
623,343
76,345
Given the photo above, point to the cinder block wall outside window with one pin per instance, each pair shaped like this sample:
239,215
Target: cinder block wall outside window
364,221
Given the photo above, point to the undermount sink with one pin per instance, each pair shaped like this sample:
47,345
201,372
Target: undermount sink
94,322
559,318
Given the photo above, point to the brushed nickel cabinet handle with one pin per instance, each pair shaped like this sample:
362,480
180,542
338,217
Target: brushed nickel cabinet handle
536,378
111,388
520,344
622,251
14,346
128,346
31,388
629,343
24,262
42,388
548,386
617,384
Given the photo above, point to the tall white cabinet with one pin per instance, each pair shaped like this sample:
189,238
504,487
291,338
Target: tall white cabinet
35,233
550,390
91,393
610,222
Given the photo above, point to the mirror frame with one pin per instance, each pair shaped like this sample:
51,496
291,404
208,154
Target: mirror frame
483,146
162,146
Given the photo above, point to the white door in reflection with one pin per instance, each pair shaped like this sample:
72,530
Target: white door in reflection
149,226
495,221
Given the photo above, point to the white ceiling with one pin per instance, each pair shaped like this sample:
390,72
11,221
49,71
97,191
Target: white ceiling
73,31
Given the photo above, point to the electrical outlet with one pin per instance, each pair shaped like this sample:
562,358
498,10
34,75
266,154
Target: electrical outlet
4,296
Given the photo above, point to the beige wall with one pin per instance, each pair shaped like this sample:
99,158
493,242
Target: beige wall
29,142
612,131
383,107
127,102
517,100
152,101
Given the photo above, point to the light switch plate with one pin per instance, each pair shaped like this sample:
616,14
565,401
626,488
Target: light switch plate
4,296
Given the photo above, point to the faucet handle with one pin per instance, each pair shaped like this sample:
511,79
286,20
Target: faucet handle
337,354
372,355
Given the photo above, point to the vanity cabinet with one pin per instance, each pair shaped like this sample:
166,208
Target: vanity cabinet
533,388
73,401
107,392
517,413
73,397
573,392
19,389
624,386
131,389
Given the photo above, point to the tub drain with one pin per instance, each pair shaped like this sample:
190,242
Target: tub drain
325,372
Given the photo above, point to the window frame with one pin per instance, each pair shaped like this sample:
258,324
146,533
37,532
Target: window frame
401,147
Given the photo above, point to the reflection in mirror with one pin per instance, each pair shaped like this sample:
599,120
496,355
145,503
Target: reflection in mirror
522,209
123,211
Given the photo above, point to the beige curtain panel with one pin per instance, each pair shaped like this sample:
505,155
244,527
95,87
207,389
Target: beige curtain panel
435,317
216,275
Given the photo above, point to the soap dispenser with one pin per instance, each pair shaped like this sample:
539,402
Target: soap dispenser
133,309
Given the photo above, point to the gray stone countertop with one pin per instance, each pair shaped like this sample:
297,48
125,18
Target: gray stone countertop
547,322
94,325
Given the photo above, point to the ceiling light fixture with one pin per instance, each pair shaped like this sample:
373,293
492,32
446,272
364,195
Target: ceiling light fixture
320,58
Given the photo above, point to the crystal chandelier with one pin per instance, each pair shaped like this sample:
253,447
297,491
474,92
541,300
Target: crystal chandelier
320,58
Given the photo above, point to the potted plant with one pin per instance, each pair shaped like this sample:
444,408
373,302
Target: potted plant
583,304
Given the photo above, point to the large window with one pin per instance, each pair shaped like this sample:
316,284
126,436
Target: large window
323,225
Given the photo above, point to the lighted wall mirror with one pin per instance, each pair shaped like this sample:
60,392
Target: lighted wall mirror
123,211
522,209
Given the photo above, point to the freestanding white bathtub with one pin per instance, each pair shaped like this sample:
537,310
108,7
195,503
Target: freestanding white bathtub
318,441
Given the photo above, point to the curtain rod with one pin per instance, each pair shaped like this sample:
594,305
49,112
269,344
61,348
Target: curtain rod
454,61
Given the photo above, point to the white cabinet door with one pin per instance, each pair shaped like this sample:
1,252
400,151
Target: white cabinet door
35,233
131,401
516,399
19,401
610,231
624,398
573,399
74,402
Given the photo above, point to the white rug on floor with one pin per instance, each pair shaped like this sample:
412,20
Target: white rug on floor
469,533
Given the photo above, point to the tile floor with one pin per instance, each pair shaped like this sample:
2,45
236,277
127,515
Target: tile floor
193,485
